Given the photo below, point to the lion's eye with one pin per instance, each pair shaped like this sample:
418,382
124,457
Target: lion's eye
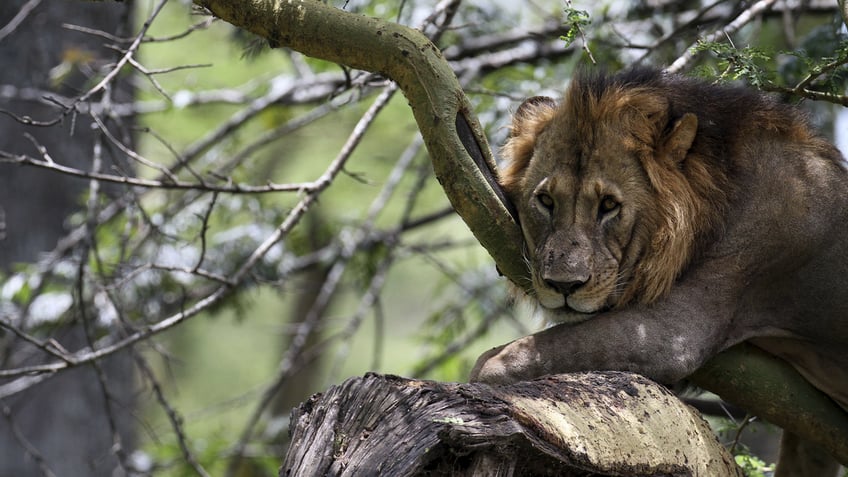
608,205
546,200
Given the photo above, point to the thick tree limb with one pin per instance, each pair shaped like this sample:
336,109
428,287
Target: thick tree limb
460,152
463,163
772,389
560,425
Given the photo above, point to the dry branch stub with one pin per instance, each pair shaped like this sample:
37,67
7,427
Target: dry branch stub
603,423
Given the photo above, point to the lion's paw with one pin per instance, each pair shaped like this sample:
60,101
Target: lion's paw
516,361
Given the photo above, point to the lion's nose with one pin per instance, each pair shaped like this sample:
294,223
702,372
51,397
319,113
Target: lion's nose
566,287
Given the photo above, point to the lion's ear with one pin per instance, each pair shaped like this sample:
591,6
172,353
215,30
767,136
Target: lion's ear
677,143
528,120
644,114
531,114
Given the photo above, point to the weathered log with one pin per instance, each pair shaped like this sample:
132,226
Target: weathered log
608,423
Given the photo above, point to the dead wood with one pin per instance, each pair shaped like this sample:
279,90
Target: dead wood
602,423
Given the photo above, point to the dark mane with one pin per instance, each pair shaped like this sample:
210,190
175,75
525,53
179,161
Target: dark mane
692,189
725,113
693,195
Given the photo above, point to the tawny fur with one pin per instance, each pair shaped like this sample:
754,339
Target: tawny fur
690,195
723,215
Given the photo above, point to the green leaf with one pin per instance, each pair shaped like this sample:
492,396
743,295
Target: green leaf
574,19
752,466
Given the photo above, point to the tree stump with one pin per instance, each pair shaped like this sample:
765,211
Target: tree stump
601,423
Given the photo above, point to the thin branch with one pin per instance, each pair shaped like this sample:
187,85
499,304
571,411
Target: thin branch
370,298
30,449
741,20
469,46
131,153
49,347
204,228
90,248
809,94
19,17
175,184
803,90
311,194
96,32
307,326
693,23
173,415
583,39
202,25
126,57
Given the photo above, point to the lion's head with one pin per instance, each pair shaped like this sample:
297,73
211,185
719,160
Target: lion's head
612,191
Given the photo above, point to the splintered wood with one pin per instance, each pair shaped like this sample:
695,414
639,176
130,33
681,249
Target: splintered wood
607,423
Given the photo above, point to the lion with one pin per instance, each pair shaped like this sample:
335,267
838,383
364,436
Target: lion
667,219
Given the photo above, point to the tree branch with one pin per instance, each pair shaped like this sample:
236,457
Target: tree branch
744,18
165,184
771,388
438,102
13,24
91,354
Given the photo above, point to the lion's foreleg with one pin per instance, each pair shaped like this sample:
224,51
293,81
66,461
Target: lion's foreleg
662,343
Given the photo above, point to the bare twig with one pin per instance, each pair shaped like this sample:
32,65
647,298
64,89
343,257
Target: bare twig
204,227
19,18
741,20
174,184
131,50
30,449
306,327
47,346
311,191
173,415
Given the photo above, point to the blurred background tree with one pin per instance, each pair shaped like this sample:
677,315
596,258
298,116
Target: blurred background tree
201,231
45,58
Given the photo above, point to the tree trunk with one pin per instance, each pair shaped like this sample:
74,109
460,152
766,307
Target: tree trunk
608,423
63,420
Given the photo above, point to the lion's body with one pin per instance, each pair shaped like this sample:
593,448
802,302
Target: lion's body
668,220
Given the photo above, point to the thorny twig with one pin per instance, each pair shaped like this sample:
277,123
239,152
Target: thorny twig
741,20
